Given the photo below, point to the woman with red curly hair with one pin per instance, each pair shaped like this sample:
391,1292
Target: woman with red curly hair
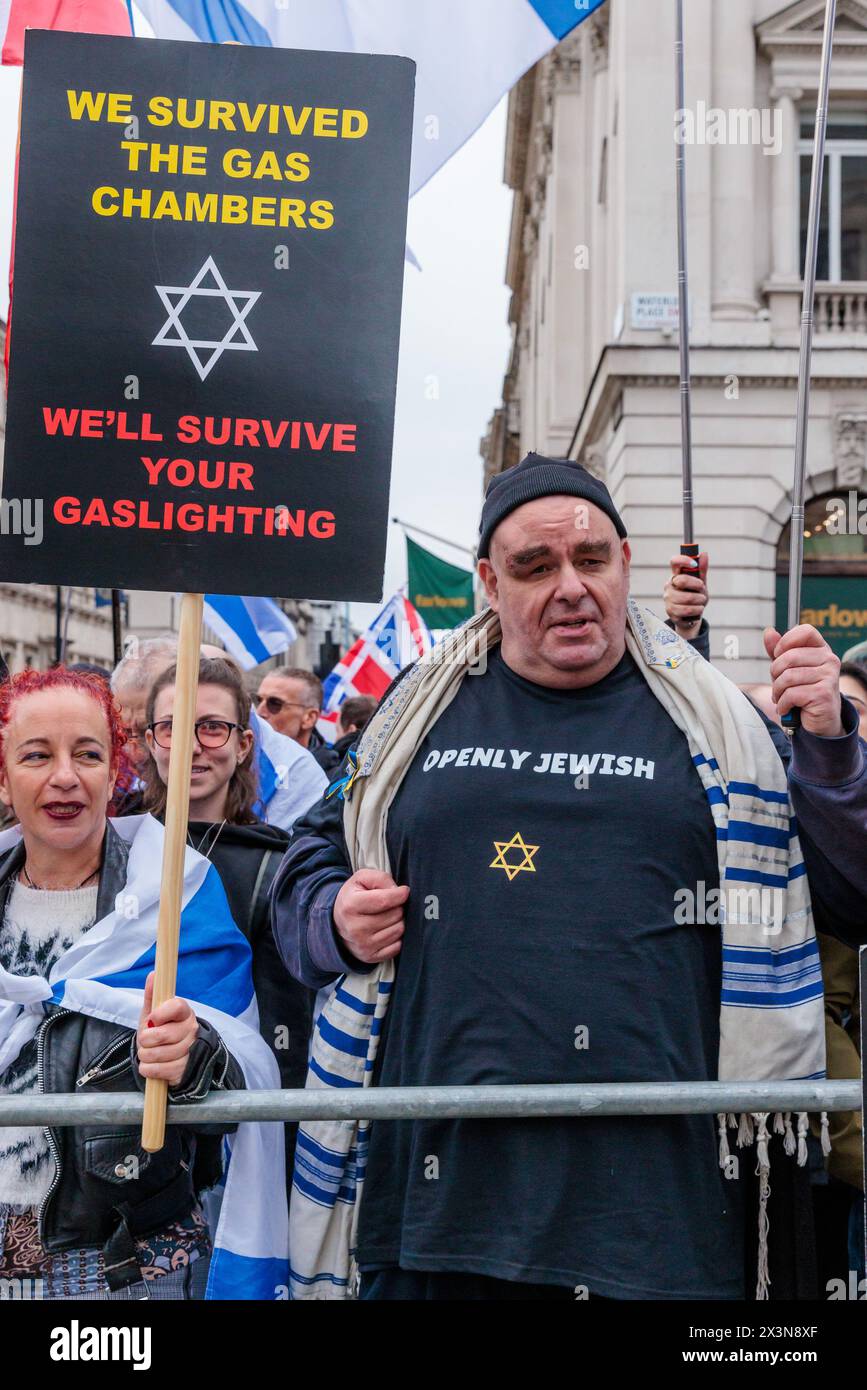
85,1213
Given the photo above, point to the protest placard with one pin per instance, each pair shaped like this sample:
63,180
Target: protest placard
208,273
207,286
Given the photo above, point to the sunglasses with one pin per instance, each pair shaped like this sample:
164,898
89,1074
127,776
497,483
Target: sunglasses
274,705
209,733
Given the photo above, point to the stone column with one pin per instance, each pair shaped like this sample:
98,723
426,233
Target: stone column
733,294
566,370
785,187
784,287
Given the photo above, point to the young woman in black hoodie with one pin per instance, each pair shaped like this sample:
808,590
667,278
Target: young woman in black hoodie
244,850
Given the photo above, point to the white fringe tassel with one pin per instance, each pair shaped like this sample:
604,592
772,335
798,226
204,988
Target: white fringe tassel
763,1170
745,1131
790,1143
802,1138
724,1154
826,1135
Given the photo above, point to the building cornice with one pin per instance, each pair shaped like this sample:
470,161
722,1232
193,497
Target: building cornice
518,121
621,366
796,31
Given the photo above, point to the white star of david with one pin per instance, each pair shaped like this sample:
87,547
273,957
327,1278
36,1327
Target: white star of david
233,298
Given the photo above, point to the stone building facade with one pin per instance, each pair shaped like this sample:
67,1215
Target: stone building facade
593,372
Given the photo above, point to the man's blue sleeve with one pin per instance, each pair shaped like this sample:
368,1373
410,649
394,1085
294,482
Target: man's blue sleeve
828,785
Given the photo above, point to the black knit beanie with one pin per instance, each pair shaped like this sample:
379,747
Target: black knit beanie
536,476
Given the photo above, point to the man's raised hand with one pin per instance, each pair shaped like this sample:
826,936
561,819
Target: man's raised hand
685,594
805,674
368,915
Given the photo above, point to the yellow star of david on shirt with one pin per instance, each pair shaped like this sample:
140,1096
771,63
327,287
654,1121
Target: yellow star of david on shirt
516,842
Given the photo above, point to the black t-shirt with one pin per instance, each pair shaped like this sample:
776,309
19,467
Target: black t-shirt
544,835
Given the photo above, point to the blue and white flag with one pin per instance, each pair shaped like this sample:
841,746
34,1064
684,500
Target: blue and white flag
252,629
103,976
290,778
468,52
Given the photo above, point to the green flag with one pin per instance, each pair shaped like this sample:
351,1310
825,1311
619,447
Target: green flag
442,593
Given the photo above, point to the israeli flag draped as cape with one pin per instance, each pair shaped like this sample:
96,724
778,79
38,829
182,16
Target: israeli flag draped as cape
103,976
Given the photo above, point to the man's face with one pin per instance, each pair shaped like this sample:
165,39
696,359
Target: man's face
133,711
558,576
282,701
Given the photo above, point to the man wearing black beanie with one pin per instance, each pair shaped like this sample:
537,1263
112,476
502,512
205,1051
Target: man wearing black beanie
515,838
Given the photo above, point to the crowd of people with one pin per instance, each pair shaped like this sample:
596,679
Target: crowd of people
476,884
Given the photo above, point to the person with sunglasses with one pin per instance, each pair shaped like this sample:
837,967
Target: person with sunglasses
245,851
291,702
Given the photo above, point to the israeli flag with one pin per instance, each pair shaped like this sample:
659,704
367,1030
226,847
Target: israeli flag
468,52
252,629
290,778
103,976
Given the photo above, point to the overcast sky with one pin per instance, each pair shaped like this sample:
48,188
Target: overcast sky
454,342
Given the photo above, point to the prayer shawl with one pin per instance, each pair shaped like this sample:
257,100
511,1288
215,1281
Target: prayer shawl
103,976
771,1010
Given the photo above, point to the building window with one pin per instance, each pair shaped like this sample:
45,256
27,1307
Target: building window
834,587
842,252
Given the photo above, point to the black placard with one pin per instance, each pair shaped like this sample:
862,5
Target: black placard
171,271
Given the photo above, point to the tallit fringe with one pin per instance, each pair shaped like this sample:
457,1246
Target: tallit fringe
802,1138
826,1134
724,1154
779,1127
763,1169
790,1143
745,1131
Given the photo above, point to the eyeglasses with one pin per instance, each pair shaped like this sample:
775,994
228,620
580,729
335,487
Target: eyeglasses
274,705
210,733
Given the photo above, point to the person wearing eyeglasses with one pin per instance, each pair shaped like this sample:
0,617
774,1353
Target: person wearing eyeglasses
84,1212
245,851
291,701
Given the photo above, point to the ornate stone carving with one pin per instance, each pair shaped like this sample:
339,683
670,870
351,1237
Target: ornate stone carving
850,447
566,63
598,29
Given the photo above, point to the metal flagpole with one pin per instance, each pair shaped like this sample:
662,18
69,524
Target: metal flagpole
408,526
792,720
65,634
690,546
116,628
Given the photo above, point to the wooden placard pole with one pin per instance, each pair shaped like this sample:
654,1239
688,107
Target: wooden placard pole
177,816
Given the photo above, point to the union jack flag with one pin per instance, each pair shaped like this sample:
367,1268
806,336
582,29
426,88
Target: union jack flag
397,636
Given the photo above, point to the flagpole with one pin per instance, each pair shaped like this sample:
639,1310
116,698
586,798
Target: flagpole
407,526
116,629
792,720
174,846
690,546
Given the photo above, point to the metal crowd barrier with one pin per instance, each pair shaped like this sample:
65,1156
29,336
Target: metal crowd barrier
445,1102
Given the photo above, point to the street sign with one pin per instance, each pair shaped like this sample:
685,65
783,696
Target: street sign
654,311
